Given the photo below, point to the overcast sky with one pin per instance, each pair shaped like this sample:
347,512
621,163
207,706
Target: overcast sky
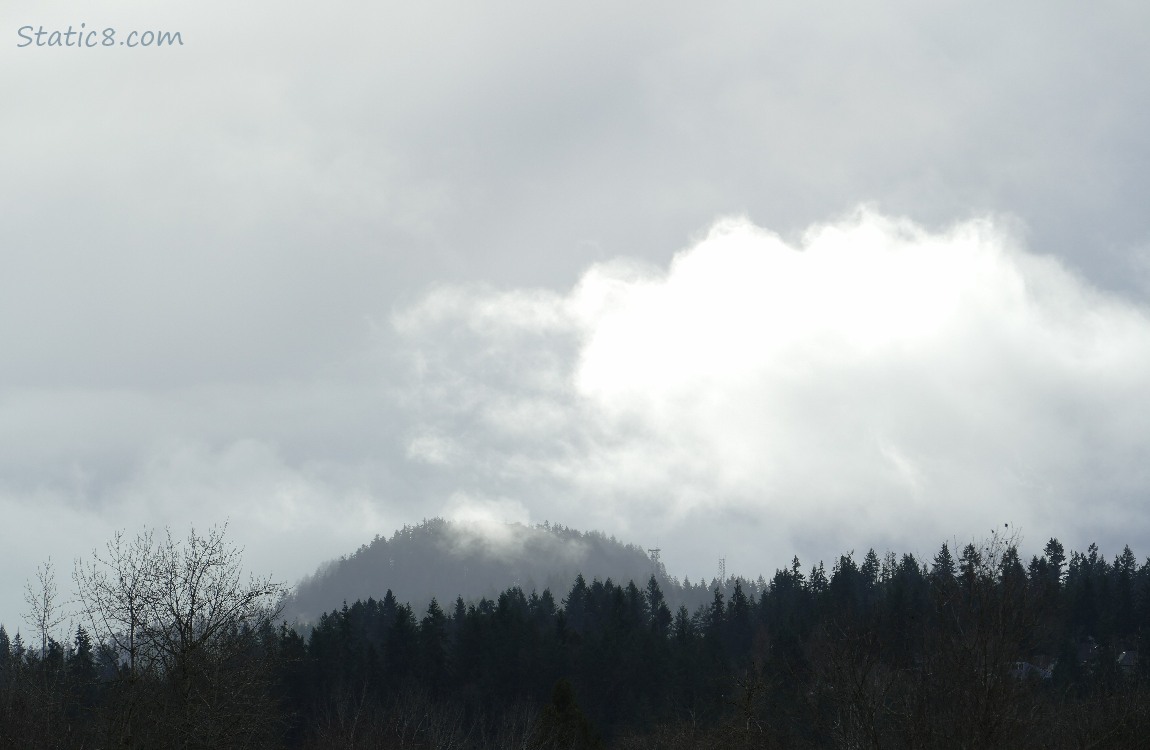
743,281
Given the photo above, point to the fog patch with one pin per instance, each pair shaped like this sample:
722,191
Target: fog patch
500,529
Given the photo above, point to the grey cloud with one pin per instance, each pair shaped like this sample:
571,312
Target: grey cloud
206,246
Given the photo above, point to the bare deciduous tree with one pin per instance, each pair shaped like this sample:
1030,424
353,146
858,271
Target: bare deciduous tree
43,614
186,625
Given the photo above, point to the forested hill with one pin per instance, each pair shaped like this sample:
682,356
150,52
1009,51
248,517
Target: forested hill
970,650
445,559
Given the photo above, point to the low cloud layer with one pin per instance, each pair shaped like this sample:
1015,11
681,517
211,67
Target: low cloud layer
203,250
871,383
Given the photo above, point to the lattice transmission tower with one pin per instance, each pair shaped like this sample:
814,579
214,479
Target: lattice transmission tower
654,553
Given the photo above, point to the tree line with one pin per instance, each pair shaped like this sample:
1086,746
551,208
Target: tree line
973,648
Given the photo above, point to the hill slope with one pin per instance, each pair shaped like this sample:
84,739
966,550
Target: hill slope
443,559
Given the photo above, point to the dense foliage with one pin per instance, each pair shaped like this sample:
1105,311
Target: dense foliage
972,649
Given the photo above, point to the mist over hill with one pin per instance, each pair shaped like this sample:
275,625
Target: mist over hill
445,559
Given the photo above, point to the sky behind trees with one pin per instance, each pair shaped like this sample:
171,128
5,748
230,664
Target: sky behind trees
751,281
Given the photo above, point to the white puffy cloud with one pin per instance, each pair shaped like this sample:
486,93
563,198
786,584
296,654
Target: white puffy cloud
873,382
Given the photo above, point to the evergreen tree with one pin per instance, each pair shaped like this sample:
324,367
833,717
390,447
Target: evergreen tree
657,605
402,646
576,604
797,571
636,606
970,566
5,656
544,608
460,611
715,616
1011,572
82,666
889,566
1038,571
684,628
1141,607
847,591
739,623
739,608
1056,557
388,609
818,582
433,648
1124,570
871,567
943,570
